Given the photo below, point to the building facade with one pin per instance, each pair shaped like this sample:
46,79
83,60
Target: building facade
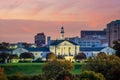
64,48
94,38
108,51
91,51
89,42
113,32
40,39
39,52
93,34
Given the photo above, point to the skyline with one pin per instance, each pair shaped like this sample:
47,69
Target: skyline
21,20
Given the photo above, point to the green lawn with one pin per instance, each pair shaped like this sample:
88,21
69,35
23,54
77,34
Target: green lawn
31,68
77,68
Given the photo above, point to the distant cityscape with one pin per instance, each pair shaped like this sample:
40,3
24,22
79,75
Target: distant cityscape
89,38
59,39
91,42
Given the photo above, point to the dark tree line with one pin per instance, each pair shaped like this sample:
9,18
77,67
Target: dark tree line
117,47
6,57
4,46
108,65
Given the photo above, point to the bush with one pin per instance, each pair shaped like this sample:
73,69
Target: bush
106,65
51,56
91,75
66,75
19,76
2,74
38,77
25,61
53,68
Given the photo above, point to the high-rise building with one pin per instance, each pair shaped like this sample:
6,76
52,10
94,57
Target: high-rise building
40,39
113,32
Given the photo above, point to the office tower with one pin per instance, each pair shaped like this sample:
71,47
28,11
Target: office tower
113,32
40,39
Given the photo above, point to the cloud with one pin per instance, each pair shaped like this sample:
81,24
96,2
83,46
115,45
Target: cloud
27,29
93,11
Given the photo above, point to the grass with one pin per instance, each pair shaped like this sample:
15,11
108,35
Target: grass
31,68
77,68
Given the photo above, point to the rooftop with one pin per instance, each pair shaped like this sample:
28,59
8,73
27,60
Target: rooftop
38,49
92,49
92,32
60,41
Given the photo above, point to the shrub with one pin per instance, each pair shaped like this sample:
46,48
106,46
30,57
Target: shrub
2,74
91,75
53,68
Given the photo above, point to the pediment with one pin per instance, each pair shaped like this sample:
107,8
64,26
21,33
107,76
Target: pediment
66,43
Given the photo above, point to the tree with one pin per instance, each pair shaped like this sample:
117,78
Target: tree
80,56
16,76
91,75
4,46
4,57
53,68
12,57
101,55
108,66
65,75
50,56
117,47
2,74
26,45
27,56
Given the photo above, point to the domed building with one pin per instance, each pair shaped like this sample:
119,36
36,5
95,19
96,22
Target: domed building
108,51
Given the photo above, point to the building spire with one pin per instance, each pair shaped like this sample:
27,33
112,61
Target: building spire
62,32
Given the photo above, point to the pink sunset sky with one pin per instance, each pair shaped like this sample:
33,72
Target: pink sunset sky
20,20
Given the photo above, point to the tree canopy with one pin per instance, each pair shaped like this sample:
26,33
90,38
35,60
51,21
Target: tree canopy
4,46
2,74
101,55
80,56
53,68
4,57
108,66
117,47
91,75
51,56
26,55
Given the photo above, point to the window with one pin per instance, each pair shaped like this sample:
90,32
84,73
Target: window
88,44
